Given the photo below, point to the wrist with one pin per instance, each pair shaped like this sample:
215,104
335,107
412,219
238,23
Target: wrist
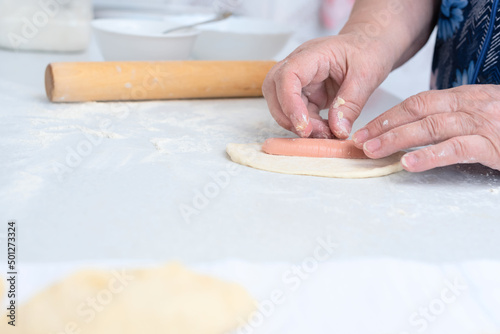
381,57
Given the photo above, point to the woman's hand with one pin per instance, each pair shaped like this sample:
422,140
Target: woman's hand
341,72
462,124
333,72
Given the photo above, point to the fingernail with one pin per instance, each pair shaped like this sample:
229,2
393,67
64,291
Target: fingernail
409,160
372,145
300,124
360,136
343,126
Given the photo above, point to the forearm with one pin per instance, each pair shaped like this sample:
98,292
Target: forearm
393,29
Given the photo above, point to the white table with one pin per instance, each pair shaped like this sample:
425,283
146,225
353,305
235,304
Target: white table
122,199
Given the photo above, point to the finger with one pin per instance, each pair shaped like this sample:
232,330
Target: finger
291,78
346,107
412,109
321,94
317,97
269,92
466,149
432,129
321,129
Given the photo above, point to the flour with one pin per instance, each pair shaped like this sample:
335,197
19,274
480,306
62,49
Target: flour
98,133
50,126
397,212
184,144
45,139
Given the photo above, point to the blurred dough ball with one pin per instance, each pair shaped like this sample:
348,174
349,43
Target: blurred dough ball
170,299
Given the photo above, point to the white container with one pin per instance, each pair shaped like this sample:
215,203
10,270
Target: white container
129,40
45,25
238,38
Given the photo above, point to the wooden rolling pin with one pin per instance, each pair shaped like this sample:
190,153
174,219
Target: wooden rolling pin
123,81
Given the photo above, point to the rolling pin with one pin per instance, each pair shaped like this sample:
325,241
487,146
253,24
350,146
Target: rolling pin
136,81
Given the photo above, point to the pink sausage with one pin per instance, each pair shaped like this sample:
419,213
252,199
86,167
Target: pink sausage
317,148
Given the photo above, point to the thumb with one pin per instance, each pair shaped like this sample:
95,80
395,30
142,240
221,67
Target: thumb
347,105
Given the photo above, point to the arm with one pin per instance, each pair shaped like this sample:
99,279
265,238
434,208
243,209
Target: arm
400,27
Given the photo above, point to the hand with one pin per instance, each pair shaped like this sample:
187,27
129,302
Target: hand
463,123
333,72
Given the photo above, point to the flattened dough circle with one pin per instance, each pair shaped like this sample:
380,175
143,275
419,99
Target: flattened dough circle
251,155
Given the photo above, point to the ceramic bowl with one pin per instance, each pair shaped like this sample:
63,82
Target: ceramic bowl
239,38
142,40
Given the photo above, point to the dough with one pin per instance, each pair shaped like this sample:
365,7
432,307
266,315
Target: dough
169,299
252,155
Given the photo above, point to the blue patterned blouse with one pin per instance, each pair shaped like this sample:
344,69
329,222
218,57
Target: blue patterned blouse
468,44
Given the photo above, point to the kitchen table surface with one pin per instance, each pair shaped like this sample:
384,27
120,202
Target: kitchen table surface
133,181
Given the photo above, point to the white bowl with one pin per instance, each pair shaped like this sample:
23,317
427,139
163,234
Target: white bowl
128,40
238,38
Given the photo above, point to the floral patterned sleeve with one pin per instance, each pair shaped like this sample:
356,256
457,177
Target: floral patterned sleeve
468,44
